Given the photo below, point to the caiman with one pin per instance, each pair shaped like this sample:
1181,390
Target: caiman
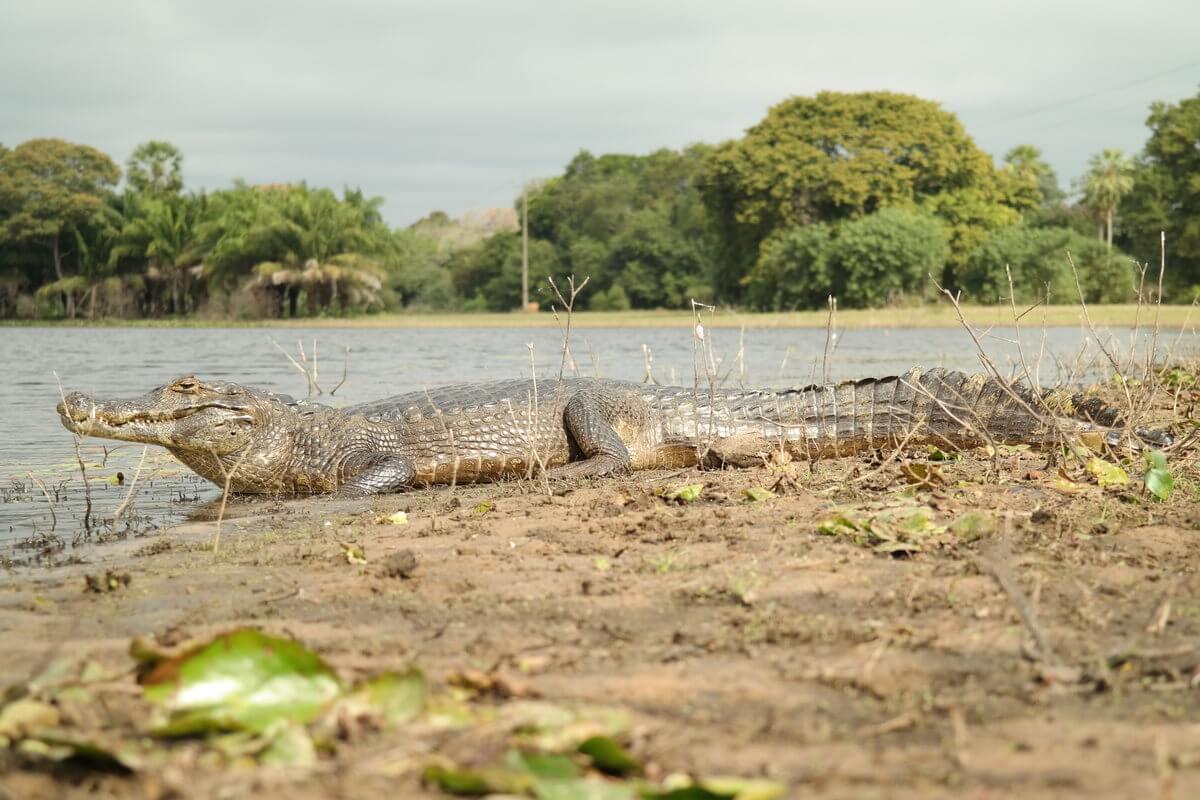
258,441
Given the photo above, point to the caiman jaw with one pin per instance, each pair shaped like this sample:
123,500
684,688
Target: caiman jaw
127,420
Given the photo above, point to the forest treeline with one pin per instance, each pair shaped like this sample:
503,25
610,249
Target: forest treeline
862,196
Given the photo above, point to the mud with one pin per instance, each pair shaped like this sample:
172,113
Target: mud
742,639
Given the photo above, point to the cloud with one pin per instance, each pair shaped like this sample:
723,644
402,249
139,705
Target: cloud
453,105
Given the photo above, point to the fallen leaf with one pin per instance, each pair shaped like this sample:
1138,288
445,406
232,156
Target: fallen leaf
1158,480
242,680
757,494
923,474
21,717
609,756
685,494
392,697
354,553
973,525
289,746
1105,473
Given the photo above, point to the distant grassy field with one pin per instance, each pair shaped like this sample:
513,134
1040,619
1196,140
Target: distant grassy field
936,316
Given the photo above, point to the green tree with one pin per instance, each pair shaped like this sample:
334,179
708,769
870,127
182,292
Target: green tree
489,274
417,273
1166,194
637,222
155,168
294,243
1037,258
1108,179
793,270
886,257
161,233
1032,182
842,156
49,187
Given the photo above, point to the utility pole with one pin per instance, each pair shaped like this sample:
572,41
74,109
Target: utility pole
524,248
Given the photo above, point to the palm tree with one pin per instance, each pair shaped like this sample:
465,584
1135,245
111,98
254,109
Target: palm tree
318,243
1108,179
163,232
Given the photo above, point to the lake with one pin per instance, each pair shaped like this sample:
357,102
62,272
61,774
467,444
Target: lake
127,362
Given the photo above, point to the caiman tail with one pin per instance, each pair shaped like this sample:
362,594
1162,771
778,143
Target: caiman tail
937,406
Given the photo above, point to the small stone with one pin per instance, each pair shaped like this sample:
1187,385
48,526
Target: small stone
400,564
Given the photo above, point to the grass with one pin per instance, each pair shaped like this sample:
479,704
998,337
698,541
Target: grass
925,316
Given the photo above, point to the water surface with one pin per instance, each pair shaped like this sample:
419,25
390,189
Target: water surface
127,362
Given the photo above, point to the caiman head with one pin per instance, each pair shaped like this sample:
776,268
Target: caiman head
216,428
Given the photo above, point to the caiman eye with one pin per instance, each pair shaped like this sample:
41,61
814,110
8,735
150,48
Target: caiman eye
186,385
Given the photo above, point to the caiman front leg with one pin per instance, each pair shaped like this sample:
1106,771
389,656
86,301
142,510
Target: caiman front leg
593,432
389,475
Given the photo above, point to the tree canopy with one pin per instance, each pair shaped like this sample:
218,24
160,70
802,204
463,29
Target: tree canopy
1165,196
861,195
837,156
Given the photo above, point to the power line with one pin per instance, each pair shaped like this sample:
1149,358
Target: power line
1080,98
1076,118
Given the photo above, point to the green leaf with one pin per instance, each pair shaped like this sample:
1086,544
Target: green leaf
392,697
354,553
685,494
24,716
1106,474
973,525
582,789
1159,480
841,525
96,753
553,766
719,789
242,680
291,746
745,788
609,756
938,454
757,494
478,782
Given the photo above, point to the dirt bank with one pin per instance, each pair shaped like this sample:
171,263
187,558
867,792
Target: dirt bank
857,635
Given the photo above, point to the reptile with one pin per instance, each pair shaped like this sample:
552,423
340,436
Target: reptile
259,441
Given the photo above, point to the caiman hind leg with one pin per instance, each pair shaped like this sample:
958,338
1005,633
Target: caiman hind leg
389,475
592,428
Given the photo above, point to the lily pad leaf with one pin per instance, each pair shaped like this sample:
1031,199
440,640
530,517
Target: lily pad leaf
242,680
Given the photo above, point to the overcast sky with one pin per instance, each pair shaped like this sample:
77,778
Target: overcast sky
452,105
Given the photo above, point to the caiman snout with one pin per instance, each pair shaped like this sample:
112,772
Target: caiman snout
76,407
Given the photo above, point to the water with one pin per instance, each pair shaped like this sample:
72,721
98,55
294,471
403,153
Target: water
128,362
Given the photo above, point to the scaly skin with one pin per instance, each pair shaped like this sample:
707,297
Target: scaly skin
270,443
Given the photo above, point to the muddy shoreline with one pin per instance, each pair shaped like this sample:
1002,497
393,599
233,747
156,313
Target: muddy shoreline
744,637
